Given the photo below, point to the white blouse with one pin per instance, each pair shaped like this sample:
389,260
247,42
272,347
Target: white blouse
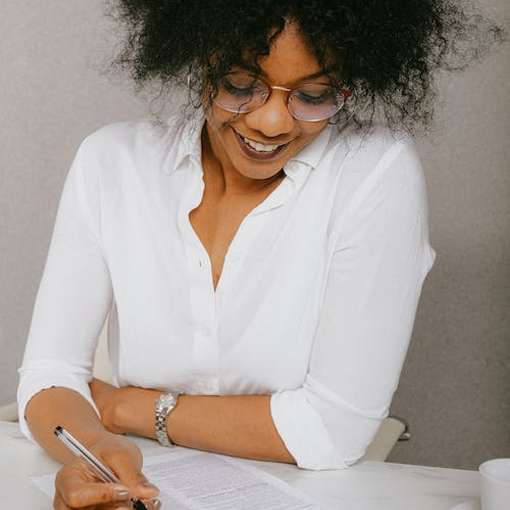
315,304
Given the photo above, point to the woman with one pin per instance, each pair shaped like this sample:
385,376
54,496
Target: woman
263,255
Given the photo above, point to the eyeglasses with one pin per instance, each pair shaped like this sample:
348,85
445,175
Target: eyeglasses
312,102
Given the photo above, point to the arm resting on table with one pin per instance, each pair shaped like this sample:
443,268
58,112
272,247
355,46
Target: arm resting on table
239,425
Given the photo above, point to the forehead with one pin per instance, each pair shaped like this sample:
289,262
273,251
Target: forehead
290,58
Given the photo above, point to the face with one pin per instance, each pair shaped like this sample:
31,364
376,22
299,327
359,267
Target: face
256,145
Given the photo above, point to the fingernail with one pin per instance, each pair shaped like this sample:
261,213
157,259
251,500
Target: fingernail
122,494
156,504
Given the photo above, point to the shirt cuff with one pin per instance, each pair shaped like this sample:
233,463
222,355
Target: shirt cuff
33,381
303,432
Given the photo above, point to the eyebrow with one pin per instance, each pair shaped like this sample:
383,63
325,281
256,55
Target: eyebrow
253,69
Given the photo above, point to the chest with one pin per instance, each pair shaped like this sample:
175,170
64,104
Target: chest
269,252
217,219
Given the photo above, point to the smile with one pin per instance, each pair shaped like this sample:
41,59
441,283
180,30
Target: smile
257,150
260,147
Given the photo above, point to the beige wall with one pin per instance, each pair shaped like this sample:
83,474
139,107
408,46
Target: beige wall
455,388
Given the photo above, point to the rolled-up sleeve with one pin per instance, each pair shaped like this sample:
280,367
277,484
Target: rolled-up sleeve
380,259
74,295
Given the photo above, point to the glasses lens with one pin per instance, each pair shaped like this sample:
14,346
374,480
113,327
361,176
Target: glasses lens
241,93
315,102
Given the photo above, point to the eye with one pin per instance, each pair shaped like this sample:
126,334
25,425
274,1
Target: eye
237,89
315,95
242,85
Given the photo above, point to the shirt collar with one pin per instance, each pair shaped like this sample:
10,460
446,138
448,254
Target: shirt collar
312,153
183,141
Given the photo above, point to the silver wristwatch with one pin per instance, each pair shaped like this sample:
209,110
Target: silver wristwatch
165,404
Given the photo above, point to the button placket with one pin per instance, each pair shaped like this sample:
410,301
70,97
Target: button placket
205,352
202,300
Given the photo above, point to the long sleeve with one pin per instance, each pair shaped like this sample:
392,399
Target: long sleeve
346,299
380,259
74,295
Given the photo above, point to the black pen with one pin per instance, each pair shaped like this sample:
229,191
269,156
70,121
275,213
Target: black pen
104,473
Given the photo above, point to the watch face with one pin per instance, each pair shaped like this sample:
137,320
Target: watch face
166,400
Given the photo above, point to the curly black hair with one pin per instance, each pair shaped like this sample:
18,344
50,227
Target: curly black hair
386,50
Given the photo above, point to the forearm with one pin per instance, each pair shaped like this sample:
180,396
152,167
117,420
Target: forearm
235,425
240,426
62,406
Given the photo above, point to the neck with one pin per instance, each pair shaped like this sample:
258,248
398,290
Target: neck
224,179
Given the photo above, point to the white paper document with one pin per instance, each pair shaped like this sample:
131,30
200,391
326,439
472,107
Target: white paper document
192,480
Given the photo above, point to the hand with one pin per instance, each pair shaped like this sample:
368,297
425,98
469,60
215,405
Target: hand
78,486
107,398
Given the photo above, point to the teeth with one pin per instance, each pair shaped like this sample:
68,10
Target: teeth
260,147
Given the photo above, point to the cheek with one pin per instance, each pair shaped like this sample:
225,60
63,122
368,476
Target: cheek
220,119
308,131
313,128
213,121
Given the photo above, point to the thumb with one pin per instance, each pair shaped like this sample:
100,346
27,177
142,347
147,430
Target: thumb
127,465
140,486
77,493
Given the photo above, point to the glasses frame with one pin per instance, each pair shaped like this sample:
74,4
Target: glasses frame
288,93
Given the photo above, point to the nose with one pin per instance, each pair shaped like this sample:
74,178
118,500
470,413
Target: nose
273,118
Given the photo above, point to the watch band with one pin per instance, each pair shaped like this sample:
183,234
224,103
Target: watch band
165,404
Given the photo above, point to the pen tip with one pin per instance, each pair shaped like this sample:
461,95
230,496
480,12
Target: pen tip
138,505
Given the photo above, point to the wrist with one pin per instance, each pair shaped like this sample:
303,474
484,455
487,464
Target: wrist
114,414
134,412
115,417
91,437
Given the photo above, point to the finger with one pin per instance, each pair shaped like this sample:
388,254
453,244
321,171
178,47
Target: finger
137,482
110,507
140,486
95,493
126,463
79,494
59,504
153,504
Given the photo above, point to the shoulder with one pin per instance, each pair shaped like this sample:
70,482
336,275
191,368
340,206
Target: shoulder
133,149
130,139
364,151
378,161
374,172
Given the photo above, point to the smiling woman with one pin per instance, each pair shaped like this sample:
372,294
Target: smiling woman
262,254
257,144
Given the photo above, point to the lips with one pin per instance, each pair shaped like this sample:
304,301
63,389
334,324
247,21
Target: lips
259,151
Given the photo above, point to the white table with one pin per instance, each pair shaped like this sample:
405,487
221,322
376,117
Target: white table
365,486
